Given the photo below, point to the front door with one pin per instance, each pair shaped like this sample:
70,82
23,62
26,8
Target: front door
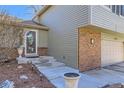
31,43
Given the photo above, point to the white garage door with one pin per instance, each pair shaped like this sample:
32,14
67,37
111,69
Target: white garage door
111,52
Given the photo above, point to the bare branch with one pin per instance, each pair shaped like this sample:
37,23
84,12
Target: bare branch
33,9
10,30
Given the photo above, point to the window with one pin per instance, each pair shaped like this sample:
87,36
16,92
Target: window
122,10
117,9
113,8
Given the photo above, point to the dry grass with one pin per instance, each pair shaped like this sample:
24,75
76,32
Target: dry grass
11,72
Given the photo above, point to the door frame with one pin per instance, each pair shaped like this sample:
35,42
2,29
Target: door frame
30,54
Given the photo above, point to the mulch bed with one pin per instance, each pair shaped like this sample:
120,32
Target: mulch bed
10,71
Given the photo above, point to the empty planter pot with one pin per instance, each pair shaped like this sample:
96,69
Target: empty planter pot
71,80
20,51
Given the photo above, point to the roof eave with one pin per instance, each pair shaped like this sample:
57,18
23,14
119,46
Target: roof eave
44,9
36,27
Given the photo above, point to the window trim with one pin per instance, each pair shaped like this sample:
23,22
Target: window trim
109,9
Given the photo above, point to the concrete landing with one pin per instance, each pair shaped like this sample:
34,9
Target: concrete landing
84,82
55,75
89,79
106,76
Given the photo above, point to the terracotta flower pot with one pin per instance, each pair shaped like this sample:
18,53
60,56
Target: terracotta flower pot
71,80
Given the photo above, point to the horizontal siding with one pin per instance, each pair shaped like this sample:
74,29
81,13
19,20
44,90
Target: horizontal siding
63,22
104,18
42,38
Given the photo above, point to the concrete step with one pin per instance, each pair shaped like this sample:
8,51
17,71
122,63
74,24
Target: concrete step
41,59
57,64
52,60
49,65
46,57
47,60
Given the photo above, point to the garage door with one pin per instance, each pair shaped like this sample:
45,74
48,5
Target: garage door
111,52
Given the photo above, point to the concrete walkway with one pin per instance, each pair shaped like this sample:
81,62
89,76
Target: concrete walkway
89,79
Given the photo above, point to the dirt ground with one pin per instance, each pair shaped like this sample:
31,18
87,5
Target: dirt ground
11,72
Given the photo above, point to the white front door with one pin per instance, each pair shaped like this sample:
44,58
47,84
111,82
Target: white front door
111,52
31,43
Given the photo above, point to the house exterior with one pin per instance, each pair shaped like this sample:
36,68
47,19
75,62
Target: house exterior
9,43
84,36
39,34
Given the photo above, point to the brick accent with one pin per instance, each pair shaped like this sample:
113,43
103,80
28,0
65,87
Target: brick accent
42,51
11,53
89,54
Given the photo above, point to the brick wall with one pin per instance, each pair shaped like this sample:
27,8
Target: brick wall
89,54
12,53
42,51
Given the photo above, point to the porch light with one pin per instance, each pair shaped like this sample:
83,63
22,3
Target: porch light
92,41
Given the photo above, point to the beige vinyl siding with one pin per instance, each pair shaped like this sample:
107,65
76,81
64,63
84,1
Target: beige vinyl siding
42,38
103,17
63,22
